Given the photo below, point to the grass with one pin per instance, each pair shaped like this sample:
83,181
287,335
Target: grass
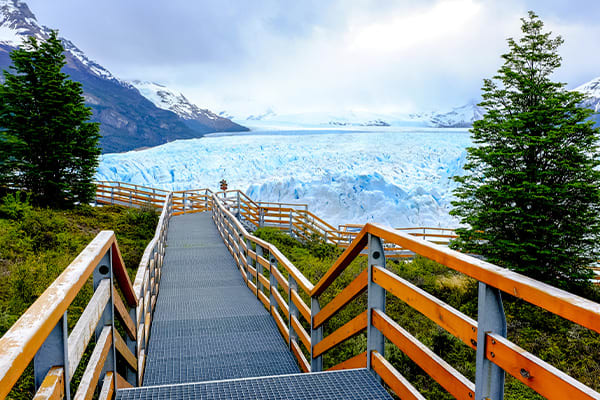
37,244
565,345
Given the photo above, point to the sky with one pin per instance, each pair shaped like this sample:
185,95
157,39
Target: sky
247,56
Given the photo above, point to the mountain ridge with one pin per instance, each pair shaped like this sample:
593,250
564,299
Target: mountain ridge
128,119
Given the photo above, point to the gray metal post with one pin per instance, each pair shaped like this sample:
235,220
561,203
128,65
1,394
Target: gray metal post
259,269
292,285
291,227
261,218
316,335
489,378
239,212
132,346
376,298
272,282
54,352
248,258
104,271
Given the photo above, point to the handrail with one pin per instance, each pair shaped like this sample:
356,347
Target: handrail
254,257
21,342
376,280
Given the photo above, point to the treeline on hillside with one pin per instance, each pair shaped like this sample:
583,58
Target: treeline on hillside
568,346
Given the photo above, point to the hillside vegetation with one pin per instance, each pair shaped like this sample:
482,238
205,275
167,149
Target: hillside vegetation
567,346
37,244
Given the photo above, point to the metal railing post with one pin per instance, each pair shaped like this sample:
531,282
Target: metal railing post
248,258
292,285
291,227
316,335
54,352
132,376
489,378
376,298
272,281
239,210
103,271
259,269
261,218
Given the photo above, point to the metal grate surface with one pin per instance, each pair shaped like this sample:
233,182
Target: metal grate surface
207,325
345,385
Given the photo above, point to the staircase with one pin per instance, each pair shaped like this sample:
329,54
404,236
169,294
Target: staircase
215,312
212,339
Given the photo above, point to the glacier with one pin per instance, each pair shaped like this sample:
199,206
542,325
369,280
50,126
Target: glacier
397,177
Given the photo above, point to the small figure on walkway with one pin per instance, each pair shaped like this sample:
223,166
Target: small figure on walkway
223,184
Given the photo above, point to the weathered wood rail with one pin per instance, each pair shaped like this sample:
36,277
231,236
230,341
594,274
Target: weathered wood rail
496,355
41,334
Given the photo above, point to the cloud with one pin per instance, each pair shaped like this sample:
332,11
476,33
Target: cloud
246,56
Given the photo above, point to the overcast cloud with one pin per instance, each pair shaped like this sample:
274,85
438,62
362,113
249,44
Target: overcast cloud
310,55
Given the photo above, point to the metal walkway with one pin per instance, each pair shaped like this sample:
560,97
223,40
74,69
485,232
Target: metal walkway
207,324
212,339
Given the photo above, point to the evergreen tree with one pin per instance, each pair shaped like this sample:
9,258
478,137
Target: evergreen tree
47,147
530,196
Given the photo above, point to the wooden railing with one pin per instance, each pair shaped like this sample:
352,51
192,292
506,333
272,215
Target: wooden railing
301,223
41,334
302,325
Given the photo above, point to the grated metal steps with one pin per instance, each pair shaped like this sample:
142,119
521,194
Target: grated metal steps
212,339
207,325
343,385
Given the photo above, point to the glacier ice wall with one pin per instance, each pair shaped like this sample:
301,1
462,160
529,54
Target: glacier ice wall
396,177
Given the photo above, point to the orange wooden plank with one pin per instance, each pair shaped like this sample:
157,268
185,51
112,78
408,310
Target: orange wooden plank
341,263
108,387
304,365
53,385
560,302
280,279
442,372
20,343
453,321
279,322
394,379
302,334
123,315
350,292
122,382
535,373
350,329
291,269
302,307
358,361
264,299
89,380
282,304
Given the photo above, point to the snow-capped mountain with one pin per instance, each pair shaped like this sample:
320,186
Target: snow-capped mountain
458,117
167,99
592,90
128,120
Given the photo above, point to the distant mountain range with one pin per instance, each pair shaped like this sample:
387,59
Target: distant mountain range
458,117
129,119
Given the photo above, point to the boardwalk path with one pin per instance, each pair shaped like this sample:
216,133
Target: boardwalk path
207,324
